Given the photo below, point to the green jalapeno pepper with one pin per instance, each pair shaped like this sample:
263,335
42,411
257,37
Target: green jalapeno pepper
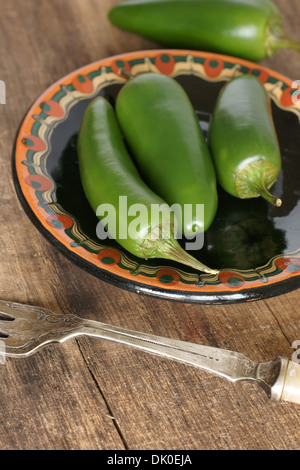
163,133
108,174
243,140
251,29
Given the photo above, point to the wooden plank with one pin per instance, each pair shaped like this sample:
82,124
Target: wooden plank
185,408
50,401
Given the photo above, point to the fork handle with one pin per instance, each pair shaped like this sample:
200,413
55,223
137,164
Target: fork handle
286,386
189,353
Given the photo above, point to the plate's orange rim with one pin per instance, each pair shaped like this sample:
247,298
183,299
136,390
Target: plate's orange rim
205,285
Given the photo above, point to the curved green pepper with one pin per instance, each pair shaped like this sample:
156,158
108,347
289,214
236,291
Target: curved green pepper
163,133
251,29
243,140
108,174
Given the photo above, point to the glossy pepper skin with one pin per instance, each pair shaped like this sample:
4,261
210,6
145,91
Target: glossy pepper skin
108,173
250,29
163,133
243,140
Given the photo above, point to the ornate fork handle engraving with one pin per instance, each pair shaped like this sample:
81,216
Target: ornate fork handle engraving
63,330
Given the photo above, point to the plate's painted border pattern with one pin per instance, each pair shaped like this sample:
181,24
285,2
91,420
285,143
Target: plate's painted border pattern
52,108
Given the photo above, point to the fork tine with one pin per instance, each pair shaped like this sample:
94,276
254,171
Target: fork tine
4,324
7,310
5,320
5,317
6,328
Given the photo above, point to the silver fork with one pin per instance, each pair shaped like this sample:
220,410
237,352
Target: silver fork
26,329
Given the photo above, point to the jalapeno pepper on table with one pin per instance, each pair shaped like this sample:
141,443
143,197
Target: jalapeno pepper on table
163,133
243,140
107,173
250,29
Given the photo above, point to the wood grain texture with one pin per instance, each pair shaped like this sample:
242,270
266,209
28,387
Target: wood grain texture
88,394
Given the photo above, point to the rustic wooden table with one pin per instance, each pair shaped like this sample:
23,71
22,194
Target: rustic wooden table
90,394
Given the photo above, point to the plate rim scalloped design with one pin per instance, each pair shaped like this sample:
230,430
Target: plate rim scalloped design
36,189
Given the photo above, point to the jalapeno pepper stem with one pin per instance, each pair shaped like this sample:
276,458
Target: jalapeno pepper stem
255,179
276,38
175,252
283,42
275,201
262,191
169,248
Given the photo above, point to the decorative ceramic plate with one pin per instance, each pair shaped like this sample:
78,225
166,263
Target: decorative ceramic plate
256,246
